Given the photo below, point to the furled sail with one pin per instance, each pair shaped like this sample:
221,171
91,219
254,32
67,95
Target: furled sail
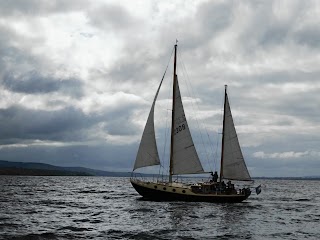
234,166
148,152
185,159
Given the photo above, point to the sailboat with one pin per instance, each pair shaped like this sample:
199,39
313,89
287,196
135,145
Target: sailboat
184,158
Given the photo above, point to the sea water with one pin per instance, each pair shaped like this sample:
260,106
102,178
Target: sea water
109,208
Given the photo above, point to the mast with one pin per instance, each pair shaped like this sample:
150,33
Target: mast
173,107
223,128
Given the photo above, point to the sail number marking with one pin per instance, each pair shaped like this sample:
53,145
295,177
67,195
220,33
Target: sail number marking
180,128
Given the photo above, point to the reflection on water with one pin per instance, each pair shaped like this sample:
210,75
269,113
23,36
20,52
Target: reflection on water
109,208
179,212
233,219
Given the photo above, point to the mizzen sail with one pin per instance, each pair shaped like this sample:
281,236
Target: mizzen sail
233,164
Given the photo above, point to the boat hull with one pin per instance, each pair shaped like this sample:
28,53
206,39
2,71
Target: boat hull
171,193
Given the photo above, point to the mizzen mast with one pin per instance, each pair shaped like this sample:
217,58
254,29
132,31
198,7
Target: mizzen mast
223,131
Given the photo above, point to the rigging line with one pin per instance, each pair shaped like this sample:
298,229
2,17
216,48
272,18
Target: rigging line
220,139
167,130
215,157
215,151
211,143
188,81
206,130
192,104
166,135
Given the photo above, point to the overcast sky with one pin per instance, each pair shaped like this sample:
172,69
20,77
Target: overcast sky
77,79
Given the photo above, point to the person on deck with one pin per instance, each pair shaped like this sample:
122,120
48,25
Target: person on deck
223,185
214,176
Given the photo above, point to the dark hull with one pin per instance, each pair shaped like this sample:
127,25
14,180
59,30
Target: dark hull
156,195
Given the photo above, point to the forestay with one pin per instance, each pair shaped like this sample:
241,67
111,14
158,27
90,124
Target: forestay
234,166
185,159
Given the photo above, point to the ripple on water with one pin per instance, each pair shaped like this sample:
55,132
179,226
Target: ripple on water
143,210
158,235
32,236
109,208
76,229
303,200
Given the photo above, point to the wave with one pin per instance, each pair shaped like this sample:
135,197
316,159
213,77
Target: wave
33,236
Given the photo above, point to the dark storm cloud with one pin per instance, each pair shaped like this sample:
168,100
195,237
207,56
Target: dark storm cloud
34,83
66,124
19,124
121,125
118,120
309,36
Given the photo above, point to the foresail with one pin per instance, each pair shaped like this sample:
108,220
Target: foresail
185,159
234,166
148,152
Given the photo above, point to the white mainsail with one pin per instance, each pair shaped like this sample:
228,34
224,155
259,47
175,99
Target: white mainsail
185,159
148,152
234,166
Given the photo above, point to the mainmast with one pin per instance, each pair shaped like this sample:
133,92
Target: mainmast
223,128
173,107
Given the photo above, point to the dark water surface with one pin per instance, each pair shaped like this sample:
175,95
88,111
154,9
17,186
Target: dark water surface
109,208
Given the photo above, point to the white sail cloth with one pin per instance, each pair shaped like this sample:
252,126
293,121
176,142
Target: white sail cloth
148,152
185,159
234,166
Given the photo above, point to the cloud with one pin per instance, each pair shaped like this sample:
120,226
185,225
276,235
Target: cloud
291,163
34,83
22,123
308,36
112,17
77,78
35,7
280,155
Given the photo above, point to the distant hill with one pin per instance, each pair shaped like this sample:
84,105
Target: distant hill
42,169
39,172
290,178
